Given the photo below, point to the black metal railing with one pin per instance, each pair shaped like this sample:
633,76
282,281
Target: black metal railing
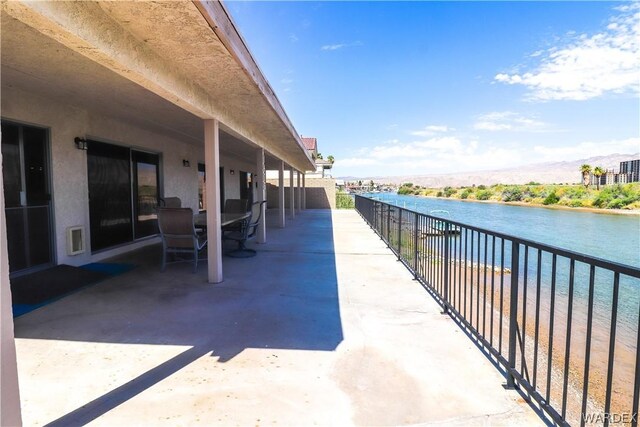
563,326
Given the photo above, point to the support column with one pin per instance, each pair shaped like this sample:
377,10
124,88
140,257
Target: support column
281,215
212,192
292,195
262,196
298,197
304,191
10,414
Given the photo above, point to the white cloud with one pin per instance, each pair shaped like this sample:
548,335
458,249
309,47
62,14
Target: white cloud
448,154
509,121
293,38
434,155
333,46
587,149
286,81
337,46
588,66
432,130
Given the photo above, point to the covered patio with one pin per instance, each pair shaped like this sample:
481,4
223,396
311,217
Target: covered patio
107,109
323,326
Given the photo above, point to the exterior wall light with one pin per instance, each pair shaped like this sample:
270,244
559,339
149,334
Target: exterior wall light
232,172
186,163
81,143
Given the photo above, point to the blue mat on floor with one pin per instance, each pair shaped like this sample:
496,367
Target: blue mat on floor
35,290
108,268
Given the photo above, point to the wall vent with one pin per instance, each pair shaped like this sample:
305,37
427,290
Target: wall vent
75,240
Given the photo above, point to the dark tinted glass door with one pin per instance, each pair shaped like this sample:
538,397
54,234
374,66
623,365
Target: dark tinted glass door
145,186
110,213
246,190
25,168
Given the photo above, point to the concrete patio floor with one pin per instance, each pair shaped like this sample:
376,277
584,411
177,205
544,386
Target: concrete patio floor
322,327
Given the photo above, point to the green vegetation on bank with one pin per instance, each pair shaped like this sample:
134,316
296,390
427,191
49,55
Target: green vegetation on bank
344,201
619,196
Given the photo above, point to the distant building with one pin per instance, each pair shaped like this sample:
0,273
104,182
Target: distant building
629,172
322,165
311,144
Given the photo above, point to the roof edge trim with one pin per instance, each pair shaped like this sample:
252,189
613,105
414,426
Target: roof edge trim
220,21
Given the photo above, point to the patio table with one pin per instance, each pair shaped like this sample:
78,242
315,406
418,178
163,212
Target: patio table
200,220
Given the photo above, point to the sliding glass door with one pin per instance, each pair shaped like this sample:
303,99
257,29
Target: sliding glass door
27,196
145,192
109,169
123,194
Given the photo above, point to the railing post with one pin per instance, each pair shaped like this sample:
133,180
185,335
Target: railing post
445,266
374,206
388,225
513,311
415,246
399,233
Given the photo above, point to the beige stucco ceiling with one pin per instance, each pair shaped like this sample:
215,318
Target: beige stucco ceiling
159,60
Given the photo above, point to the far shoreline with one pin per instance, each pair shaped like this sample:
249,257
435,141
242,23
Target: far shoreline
601,211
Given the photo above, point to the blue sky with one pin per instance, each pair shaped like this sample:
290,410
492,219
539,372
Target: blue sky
402,88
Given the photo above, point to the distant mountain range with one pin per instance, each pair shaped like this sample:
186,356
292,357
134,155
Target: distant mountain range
546,173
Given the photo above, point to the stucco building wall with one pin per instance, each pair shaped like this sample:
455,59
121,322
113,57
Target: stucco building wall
69,182
320,193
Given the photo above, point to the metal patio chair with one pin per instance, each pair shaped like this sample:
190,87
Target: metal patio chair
248,230
170,202
179,234
234,206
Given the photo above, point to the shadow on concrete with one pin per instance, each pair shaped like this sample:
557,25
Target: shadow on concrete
284,298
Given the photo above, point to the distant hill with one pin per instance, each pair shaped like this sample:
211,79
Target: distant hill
546,173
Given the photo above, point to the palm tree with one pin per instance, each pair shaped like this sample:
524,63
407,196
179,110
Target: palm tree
598,172
586,171
331,159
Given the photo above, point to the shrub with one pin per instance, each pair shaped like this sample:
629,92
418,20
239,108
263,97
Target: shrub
482,187
512,194
484,194
575,203
617,196
465,193
344,201
575,192
551,199
449,191
439,194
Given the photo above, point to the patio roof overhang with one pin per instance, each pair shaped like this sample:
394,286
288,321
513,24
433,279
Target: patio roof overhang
165,66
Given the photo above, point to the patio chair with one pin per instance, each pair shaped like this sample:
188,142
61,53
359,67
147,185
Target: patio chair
179,235
248,231
170,202
234,206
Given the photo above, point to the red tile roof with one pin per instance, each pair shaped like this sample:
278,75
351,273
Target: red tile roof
309,143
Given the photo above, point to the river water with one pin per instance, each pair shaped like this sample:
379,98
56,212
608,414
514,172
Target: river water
609,236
